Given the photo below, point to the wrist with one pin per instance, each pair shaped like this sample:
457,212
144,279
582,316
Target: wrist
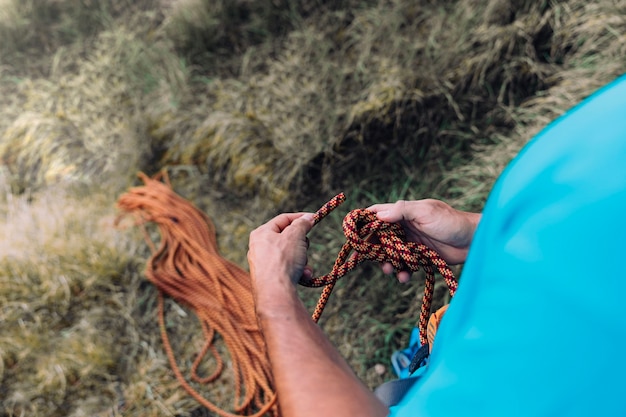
275,299
457,245
472,219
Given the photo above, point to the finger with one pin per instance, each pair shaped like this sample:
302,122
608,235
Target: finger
302,225
390,212
403,276
380,207
387,268
307,272
280,222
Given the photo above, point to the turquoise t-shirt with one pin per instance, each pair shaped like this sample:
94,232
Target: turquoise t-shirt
538,325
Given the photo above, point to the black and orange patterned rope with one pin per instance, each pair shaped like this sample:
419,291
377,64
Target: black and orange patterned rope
368,238
325,210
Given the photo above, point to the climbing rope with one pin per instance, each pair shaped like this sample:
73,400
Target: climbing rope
188,267
368,238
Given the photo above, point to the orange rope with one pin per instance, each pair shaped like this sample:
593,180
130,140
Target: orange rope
359,226
188,267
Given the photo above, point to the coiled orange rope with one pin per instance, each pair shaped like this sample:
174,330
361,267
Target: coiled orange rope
188,267
362,228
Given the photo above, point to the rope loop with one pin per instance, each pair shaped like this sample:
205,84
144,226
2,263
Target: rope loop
371,239
363,229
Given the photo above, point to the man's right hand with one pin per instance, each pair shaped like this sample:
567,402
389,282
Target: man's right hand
434,224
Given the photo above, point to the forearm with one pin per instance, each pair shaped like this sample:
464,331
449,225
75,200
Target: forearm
311,377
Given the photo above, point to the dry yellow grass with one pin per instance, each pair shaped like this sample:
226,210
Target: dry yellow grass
254,108
63,267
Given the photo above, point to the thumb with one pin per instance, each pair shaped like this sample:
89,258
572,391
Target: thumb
303,224
392,213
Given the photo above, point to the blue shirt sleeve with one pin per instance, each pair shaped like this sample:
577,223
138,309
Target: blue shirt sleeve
538,325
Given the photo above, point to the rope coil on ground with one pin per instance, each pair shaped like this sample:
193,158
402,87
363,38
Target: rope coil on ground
188,267
389,245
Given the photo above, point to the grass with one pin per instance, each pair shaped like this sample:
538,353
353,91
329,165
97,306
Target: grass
62,294
254,108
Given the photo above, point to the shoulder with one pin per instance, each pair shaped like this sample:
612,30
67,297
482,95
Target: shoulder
539,318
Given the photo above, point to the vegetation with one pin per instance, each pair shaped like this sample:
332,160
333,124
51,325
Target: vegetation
254,108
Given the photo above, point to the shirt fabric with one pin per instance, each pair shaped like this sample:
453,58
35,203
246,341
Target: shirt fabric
538,324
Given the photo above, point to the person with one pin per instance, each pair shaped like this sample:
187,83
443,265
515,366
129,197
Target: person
538,324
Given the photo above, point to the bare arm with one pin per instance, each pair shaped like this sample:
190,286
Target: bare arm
311,377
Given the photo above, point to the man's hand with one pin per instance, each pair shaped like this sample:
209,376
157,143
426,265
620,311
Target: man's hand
277,256
434,224
311,377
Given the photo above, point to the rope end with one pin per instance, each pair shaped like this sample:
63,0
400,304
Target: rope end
332,204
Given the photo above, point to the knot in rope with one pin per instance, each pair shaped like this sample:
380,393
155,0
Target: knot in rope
371,239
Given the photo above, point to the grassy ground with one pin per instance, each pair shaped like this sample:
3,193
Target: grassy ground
253,107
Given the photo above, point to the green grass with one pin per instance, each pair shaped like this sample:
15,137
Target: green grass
254,108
